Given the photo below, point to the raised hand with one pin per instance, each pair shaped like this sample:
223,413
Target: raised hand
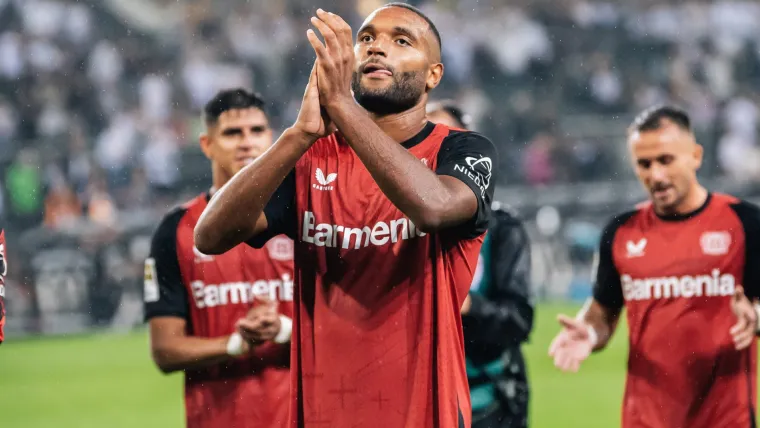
262,322
743,332
335,58
312,119
572,345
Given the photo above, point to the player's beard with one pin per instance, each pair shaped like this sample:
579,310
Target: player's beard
668,207
404,93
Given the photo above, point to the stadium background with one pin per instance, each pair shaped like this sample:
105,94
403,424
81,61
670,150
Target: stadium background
99,106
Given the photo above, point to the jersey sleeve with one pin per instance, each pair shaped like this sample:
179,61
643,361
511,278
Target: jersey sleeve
469,157
165,292
749,215
3,272
607,289
280,213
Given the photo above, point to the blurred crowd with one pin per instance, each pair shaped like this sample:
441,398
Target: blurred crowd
99,100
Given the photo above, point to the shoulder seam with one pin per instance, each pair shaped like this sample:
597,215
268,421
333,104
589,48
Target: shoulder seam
619,221
170,222
457,133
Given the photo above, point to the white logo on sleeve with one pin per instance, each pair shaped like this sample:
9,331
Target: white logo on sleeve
324,182
3,264
150,282
478,170
715,243
636,249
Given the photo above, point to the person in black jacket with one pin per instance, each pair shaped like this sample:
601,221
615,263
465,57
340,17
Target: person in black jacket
497,314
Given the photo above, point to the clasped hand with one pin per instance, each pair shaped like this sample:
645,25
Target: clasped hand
335,58
261,324
330,80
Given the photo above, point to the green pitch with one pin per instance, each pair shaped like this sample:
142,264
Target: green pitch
110,381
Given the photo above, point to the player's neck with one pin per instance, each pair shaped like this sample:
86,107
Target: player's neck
218,179
402,126
693,201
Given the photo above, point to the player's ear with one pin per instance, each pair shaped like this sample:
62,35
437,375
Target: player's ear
205,143
435,74
699,152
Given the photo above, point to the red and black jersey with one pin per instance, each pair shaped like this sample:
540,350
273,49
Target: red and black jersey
378,333
212,293
675,276
3,272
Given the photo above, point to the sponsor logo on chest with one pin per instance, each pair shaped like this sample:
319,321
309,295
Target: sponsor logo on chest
280,248
233,293
715,243
635,248
340,236
323,182
716,284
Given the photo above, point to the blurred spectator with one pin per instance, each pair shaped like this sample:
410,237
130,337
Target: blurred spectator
537,162
24,185
62,208
100,207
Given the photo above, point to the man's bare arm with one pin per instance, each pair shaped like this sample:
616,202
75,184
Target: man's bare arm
235,213
602,319
431,201
172,349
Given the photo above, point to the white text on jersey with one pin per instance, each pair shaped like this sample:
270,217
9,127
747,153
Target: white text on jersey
212,295
333,235
685,286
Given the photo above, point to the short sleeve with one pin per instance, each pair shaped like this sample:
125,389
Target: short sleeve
749,215
608,290
280,213
164,291
469,157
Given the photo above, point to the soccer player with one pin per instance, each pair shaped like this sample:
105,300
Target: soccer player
225,319
388,215
681,265
497,315
3,272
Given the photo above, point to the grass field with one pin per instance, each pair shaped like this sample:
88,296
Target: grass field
109,381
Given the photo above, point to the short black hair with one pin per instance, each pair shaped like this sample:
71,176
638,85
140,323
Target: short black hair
231,99
422,15
454,110
651,118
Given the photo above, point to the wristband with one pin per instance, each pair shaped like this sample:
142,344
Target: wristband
235,345
593,337
286,330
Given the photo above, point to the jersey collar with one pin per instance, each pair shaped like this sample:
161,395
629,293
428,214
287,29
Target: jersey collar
420,137
681,217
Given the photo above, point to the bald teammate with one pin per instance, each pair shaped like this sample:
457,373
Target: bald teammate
681,265
388,215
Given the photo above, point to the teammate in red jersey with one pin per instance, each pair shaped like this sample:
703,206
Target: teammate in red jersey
388,215
225,320
3,272
681,265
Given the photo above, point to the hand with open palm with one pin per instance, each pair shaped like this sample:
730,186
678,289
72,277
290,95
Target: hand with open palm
572,345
